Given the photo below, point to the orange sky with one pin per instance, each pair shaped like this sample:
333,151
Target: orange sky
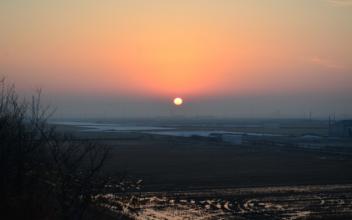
184,48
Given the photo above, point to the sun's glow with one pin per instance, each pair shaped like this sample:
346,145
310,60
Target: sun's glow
178,101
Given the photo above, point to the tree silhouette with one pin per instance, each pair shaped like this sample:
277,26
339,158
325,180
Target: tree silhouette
43,175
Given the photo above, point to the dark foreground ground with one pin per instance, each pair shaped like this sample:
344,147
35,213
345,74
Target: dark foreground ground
183,164
188,178
254,203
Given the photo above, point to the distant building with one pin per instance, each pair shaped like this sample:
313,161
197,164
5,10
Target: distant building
227,138
341,129
231,138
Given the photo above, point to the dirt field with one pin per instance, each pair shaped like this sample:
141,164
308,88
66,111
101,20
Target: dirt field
256,203
195,178
182,164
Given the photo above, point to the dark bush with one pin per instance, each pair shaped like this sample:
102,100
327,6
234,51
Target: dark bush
43,175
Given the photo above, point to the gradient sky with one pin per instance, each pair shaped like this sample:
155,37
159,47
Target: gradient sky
243,58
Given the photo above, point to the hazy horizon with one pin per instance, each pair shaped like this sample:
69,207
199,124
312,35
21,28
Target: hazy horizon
223,107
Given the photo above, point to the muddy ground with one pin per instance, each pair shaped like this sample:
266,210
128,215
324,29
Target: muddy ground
190,178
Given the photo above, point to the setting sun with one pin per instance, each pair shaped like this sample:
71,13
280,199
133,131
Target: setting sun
178,101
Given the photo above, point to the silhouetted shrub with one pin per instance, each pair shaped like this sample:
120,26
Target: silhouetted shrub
43,175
